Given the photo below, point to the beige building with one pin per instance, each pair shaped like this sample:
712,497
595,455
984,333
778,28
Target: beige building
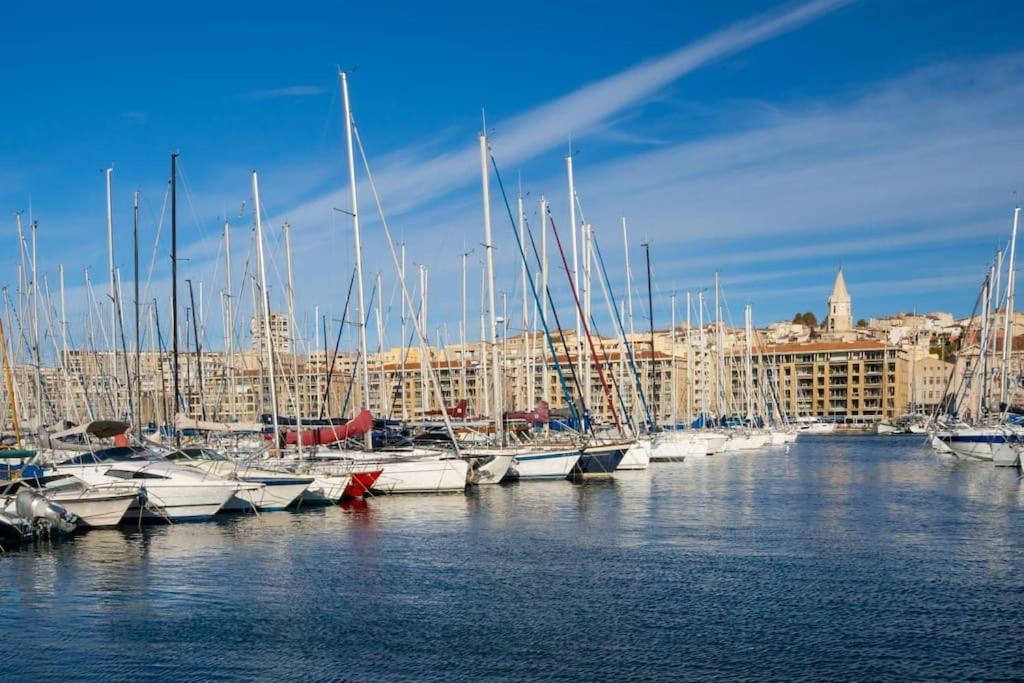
861,380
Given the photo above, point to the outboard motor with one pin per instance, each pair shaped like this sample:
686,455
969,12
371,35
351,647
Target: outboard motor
43,513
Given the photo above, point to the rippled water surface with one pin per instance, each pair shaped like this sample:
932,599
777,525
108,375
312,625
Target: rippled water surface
852,558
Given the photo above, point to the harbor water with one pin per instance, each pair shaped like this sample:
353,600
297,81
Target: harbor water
838,558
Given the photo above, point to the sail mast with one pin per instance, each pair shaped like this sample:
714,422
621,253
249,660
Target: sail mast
113,286
575,258
748,370
650,313
265,304
229,323
360,305
382,394
424,358
296,402
462,328
176,370
64,347
527,386
1011,283
405,312
545,385
138,329
672,368
499,427
689,363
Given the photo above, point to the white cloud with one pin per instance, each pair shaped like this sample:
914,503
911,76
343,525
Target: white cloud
288,91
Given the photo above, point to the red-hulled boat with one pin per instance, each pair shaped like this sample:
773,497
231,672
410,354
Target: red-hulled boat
359,484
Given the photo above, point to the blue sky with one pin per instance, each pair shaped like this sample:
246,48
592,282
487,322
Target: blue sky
771,142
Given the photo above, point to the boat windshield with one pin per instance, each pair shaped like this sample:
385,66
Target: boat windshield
115,454
196,454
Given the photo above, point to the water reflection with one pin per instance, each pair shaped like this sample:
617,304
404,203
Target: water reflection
873,550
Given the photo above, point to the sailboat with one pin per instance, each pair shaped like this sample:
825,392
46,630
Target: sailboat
990,435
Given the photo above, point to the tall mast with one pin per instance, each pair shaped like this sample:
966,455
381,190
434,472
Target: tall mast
672,367
64,346
296,400
575,258
689,364
401,371
424,360
113,286
982,363
174,294
35,330
545,386
499,427
138,329
1011,283
650,313
383,404
628,309
588,359
702,342
527,387
229,323
748,360
718,345
629,275
462,329
265,304
486,393
360,305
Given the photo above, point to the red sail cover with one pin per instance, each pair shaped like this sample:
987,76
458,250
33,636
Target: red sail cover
457,413
539,415
357,426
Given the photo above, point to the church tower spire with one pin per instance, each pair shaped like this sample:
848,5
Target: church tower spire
840,306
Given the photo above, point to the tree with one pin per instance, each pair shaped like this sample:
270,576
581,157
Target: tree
862,323
807,319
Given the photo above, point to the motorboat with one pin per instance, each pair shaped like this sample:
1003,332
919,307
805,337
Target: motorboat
278,491
95,506
167,491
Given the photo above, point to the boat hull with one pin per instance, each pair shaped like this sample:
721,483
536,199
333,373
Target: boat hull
544,464
98,511
676,447
746,442
441,475
981,444
637,457
275,494
599,461
489,468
